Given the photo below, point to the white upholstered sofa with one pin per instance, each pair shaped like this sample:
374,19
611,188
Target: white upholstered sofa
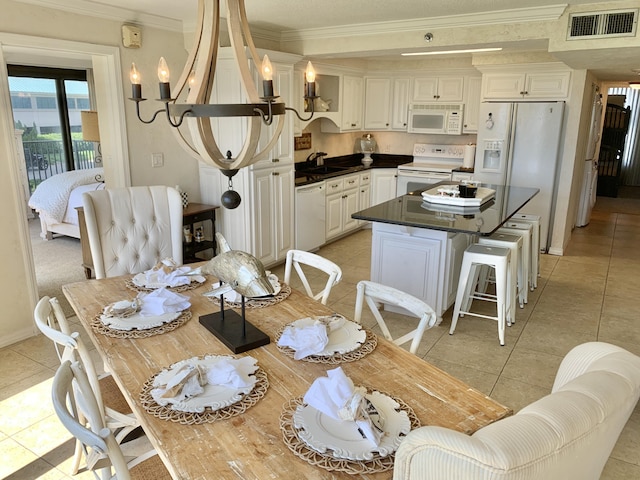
568,434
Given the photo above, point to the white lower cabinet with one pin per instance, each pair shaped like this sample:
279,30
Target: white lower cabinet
341,203
272,212
424,263
383,184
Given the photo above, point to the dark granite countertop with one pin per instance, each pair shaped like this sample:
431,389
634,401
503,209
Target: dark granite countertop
348,164
412,211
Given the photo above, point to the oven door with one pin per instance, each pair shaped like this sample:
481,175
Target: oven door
412,180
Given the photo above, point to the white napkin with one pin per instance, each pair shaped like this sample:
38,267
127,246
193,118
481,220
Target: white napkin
337,397
162,301
167,273
190,380
233,372
305,340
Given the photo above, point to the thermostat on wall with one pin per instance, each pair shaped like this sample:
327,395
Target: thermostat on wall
131,36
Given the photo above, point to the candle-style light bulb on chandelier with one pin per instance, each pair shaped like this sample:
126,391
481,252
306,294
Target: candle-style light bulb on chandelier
196,82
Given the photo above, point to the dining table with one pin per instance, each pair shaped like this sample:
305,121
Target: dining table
254,443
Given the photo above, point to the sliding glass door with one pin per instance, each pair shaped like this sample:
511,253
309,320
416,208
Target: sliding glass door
47,105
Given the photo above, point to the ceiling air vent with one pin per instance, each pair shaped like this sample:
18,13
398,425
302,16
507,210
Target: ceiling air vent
618,23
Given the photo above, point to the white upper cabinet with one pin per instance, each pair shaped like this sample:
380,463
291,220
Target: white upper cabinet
526,82
438,89
386,103
400,105
377,105
351,102
472,92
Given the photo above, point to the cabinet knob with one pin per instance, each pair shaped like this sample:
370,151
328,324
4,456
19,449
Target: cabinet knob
404,124
387,124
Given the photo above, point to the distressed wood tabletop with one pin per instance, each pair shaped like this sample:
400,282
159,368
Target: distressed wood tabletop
250,446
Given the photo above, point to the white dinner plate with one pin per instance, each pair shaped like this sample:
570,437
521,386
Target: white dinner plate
214,396
342,438
347,338
137,321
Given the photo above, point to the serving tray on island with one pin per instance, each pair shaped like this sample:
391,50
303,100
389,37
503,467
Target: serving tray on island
482,195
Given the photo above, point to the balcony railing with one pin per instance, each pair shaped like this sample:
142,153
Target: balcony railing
45,158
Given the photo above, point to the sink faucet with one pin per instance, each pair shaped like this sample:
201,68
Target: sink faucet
318,157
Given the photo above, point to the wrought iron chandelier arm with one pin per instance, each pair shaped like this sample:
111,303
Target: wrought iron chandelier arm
311,113
180,119
155,114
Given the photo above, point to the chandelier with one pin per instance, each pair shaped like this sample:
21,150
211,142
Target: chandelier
196,82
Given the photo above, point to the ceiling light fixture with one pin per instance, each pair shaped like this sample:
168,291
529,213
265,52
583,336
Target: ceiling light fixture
196,82
445,52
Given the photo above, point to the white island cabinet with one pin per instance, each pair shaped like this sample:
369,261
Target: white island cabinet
422,262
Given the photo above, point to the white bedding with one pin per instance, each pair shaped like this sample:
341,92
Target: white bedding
75,200
51,197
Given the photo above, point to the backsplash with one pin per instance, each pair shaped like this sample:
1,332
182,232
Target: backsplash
398,143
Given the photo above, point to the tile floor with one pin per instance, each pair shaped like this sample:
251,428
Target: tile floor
588,294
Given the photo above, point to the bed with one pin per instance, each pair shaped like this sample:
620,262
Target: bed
56,199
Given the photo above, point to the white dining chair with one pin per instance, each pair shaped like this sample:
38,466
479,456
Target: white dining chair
131,229
106,456
52,322
375,294
297,258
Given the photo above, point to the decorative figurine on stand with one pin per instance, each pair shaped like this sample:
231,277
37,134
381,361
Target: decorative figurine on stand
245,274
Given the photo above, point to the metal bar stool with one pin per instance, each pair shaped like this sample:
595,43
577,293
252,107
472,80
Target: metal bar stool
524,230
514,243
534,221
476,256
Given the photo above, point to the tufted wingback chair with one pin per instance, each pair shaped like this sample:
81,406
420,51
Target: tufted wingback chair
131,229
567,434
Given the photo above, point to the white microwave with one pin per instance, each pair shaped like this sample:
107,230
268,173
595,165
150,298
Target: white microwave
437,118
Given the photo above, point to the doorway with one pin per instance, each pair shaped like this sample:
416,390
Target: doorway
105,63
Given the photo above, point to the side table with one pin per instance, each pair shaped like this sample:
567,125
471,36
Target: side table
196,213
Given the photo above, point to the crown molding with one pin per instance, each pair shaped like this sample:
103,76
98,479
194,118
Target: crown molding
516,15
100,10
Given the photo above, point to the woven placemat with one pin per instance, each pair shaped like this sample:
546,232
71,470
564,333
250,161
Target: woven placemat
285,291
209,415
100,327
368,346
182,288
326,461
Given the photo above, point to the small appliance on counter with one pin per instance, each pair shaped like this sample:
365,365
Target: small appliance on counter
367,147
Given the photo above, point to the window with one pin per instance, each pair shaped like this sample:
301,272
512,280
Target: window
46,105
19,101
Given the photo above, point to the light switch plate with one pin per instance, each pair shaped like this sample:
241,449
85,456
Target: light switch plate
131,36
157,160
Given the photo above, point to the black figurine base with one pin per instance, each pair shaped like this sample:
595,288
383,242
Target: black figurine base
234,331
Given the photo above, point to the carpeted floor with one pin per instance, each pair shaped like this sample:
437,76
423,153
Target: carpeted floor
57,261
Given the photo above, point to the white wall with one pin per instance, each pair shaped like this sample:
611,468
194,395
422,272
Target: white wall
16,286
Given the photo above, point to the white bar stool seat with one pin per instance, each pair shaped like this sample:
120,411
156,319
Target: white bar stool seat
534,221
514,243
476,256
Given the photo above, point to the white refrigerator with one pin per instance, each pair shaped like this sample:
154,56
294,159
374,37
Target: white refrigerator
518,144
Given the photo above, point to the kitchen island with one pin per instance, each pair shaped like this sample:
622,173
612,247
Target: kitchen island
418,246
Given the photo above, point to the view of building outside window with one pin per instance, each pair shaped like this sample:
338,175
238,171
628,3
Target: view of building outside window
36,111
